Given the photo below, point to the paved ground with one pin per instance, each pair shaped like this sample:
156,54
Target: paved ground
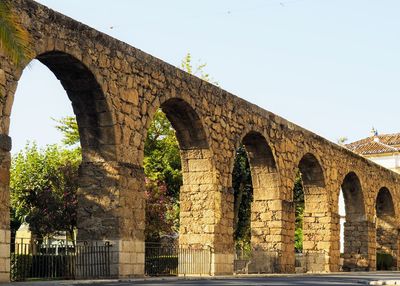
273,280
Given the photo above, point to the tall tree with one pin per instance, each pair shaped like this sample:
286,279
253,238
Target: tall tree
14,39
44,182
243,196
162,162
43,187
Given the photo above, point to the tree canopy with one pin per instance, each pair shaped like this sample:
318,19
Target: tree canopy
43,185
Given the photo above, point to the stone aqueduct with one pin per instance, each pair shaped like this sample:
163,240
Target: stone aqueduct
115,90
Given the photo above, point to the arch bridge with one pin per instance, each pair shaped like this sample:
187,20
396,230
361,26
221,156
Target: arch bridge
115,90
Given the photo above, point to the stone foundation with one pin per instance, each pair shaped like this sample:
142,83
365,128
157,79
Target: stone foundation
356,246
271,229
127,258
222,264
4,255
387,239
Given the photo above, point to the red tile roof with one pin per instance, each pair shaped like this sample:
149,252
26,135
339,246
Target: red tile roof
379,144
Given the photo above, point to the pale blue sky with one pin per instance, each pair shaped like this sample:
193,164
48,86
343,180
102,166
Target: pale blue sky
331,66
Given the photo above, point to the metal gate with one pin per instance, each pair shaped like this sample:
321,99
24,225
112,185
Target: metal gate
59,260
167,260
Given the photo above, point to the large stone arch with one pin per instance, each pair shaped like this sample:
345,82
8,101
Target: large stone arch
94,114
197,171
264,171
203,221
312,172
96,130
100,215
387,240
269,248
316,218
356,226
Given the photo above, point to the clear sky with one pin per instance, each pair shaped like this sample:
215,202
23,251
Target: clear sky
331,66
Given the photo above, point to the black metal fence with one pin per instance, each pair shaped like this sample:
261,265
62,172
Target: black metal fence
59,260
167,260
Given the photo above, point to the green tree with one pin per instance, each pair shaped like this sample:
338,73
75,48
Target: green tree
14,39
243,196
162,162
69,129
162,167
43,185
197,70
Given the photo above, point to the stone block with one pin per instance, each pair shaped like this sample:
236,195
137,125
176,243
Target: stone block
4,277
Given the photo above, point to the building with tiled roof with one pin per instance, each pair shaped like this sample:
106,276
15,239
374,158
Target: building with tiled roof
383,149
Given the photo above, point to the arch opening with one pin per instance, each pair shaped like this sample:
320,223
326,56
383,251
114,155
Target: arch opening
311,172
309,233
187,124
178,159
386,232
256,189
58,176
353,226
176,155
95,123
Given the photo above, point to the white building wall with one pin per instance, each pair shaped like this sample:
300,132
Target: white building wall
391,162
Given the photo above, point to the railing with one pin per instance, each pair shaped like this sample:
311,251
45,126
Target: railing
167,260
59,260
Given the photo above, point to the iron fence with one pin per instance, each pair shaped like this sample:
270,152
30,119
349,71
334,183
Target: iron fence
167,260
59,260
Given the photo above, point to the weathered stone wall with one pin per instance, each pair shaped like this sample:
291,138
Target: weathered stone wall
115,91
387,231
387,239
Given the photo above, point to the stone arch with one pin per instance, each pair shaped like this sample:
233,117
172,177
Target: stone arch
355,227
200,206
311,170
266,208
97,137
196,155
386,231
94,116
265,181
313,180
316,216
264,172
187,124
353,197
384,203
